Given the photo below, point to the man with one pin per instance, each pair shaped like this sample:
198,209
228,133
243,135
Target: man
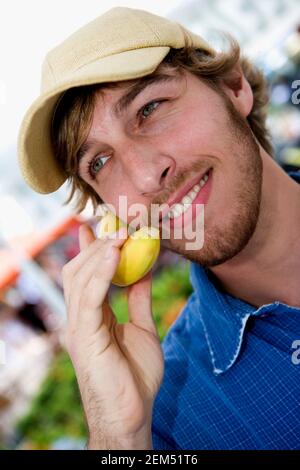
135,105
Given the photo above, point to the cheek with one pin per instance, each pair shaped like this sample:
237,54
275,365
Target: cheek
198,132
125,201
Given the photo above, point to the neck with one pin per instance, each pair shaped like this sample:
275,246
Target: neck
268,268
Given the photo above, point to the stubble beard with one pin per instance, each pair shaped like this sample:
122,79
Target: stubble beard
225,238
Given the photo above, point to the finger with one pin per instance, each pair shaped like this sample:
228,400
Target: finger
79,260
90,285
91,247
91,302
140,304
98,261
86,236
88,293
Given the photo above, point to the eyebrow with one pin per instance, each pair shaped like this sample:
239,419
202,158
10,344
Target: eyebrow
85,148
125,101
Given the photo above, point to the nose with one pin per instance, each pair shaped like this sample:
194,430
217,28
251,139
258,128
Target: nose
148,170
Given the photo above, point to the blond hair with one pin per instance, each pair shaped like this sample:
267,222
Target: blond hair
74,112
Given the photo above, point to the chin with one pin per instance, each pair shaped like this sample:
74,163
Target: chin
221,242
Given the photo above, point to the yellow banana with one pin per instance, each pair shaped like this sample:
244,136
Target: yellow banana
138,253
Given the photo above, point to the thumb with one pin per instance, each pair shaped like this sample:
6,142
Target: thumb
140,304
86,236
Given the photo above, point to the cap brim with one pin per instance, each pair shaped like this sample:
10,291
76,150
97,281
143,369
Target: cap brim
38,165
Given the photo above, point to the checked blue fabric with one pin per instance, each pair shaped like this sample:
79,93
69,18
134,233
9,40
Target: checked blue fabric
232,373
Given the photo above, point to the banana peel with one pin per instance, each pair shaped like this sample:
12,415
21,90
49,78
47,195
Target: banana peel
138,253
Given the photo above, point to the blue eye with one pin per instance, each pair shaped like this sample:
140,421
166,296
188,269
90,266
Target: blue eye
148,109
95,165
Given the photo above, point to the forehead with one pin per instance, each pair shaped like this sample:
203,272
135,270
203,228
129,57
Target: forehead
130,89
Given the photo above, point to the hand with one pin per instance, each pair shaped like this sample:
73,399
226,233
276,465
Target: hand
119,368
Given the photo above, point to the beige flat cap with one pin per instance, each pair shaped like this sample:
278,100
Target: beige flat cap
121,44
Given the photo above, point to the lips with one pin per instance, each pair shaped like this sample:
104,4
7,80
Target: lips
179,195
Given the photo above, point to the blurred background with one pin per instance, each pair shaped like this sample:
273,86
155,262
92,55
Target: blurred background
39,399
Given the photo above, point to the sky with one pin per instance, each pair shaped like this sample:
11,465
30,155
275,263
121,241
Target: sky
28,30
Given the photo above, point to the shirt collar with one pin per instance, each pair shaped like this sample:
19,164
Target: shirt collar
223,316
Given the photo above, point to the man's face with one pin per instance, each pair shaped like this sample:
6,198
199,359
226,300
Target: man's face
171,135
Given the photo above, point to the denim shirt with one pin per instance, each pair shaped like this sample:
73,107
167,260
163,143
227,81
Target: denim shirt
232,373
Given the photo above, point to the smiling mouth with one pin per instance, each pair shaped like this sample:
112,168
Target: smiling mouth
179,205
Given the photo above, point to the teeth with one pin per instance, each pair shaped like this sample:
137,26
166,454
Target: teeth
178,209
187,200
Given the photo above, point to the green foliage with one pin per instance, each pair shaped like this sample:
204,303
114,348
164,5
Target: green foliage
56,412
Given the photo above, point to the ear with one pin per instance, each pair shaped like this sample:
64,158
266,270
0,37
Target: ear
238,89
